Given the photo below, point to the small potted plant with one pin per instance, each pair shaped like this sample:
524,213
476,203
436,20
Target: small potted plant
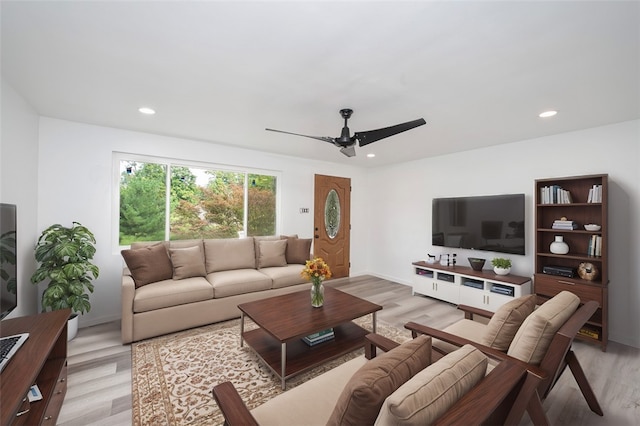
501,265
64,256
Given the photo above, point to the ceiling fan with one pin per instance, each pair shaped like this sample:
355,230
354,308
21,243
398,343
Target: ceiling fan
347,143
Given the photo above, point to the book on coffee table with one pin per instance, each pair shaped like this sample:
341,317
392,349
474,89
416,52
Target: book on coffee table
319,337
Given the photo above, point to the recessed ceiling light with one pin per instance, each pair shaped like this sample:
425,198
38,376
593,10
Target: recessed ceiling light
371,155
148,111
547,114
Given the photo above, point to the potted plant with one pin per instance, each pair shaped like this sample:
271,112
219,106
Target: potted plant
501,265
64,256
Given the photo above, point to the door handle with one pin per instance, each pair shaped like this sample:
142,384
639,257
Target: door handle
317,236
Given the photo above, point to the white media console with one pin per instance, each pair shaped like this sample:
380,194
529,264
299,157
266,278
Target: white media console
461,285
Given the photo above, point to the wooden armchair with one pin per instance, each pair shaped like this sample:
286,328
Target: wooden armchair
557,357
500,398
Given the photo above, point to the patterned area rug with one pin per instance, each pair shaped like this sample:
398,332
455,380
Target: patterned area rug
172,375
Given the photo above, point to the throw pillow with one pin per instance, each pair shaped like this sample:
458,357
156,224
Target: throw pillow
430,393
298,250
187,262
148,264
362,397
272,253
532,340
506,321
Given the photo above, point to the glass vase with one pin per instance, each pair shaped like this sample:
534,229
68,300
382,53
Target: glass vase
317,293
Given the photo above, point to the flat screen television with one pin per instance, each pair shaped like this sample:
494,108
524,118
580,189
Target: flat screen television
8,270
490,223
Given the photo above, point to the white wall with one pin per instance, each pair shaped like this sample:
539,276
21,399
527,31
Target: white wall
76,178
399,199
19,186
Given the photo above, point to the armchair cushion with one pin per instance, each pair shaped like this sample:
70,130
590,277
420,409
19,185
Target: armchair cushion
187,262
506,321
430,393
148,264
532,340
361,399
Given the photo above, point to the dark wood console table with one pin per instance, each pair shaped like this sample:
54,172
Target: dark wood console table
42,360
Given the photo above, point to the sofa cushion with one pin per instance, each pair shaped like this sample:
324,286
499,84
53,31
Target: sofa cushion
362,397
284,276
187,262
532,340
431,392
257,240
469,329
272,253
506,321
148,264
163,294
298,250
238,281
229,253
180,244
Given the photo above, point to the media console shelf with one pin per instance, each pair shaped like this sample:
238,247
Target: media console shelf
42,360
461,285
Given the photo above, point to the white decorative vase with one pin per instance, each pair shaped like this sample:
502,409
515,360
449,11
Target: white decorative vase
501,271
72,327
559,246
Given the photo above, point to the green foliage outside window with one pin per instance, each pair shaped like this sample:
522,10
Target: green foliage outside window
202,203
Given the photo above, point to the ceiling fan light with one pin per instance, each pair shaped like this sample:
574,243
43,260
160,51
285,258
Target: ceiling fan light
547,114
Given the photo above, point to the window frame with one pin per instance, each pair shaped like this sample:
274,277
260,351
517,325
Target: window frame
118,157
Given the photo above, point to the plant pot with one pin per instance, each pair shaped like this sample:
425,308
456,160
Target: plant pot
501,271
72,327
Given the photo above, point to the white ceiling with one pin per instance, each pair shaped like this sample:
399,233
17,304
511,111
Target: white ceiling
478,72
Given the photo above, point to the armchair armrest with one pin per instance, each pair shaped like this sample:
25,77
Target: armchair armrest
373,341
461,341
500,398
232,406
470,311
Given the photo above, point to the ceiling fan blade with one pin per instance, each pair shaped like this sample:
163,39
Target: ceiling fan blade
320,138
365,138
349,151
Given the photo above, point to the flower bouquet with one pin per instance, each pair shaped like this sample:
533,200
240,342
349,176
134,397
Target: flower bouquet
316,270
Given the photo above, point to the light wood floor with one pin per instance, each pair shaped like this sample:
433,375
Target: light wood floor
99,382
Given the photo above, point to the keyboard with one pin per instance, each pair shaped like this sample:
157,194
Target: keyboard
9,346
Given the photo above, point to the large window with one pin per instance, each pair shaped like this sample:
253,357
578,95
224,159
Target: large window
168,201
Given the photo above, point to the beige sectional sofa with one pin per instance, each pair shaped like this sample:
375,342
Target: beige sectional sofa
173,286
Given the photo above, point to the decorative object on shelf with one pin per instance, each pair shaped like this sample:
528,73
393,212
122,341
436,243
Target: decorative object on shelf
592,227
588,271
316,271
476,263
558,246
501,265
64,256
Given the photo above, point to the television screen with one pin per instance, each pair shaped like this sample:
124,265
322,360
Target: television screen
489,223
8,270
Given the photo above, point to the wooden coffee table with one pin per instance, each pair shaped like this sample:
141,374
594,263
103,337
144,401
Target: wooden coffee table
284,320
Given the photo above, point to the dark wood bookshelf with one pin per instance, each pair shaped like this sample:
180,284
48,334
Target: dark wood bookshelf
583,213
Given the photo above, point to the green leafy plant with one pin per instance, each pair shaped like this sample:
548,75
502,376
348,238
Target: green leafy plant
64,256
501,262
